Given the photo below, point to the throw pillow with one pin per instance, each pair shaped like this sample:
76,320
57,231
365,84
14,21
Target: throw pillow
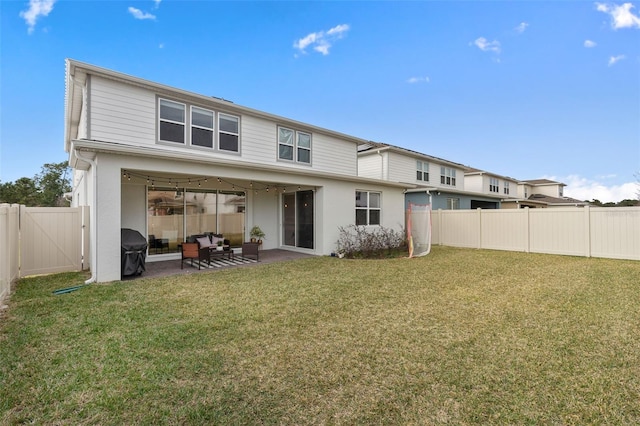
204,242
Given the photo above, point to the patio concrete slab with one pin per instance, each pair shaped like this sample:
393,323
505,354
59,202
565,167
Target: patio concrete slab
172,267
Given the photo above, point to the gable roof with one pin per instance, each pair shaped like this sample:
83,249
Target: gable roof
76,74
558,201
541,182
371,147
473,171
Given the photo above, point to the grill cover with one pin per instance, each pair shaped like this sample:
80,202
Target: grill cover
133,252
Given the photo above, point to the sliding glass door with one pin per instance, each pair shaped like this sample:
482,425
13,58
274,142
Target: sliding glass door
297,219
174,214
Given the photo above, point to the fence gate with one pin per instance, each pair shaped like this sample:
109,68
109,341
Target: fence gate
51,239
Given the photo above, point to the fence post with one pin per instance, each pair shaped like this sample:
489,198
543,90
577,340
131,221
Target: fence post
9,247
440,237
527,230
5,262
587,230
479,227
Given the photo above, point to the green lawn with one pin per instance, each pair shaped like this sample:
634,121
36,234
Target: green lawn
457,337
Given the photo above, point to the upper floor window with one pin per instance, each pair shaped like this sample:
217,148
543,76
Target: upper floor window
422,171
229,133
367,208
506,187
294,145
202,127
195,126
494,185
560,191
447,176
172,121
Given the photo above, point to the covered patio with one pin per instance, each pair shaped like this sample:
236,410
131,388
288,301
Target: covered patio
172,267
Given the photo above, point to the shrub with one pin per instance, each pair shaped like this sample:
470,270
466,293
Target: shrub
360,241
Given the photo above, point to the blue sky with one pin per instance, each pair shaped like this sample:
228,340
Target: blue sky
526,89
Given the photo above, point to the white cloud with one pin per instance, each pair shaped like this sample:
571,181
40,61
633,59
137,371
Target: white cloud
487,46
138,14
523,26
157,3
414,80
321,41
37,8
621,16
614,59
582,189
589,43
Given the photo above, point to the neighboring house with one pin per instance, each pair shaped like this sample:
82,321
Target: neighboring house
541,193
171,163
438,182
490,184
451,186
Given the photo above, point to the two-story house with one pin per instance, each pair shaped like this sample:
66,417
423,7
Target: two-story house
171,163
499,188
441,183
542,193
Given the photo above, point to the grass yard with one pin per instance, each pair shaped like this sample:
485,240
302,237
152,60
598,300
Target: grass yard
457,337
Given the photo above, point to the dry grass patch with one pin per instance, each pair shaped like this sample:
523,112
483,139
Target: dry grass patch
460,336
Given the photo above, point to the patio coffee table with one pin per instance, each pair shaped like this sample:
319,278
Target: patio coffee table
214,253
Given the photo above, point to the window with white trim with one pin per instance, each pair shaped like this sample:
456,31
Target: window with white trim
506,187
195,126
172,121
294,145
494,185
422,171
447,176
202,132
228,133
367,208
453,203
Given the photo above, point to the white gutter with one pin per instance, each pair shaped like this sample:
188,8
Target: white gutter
176,154
92,219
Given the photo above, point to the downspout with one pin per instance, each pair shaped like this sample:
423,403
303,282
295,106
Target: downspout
92,218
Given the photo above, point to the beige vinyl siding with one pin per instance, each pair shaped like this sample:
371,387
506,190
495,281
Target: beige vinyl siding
329,154
259,144
549,190
127,114
121,113
522,189
258,140
401,168
471,183
371,166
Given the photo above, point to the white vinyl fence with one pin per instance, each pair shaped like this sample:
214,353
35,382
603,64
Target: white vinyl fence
40,240
609,232
9,258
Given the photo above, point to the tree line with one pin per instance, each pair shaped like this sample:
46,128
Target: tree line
45,189
623,203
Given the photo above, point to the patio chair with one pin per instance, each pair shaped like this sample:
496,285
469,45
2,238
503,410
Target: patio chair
190,251
251,249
